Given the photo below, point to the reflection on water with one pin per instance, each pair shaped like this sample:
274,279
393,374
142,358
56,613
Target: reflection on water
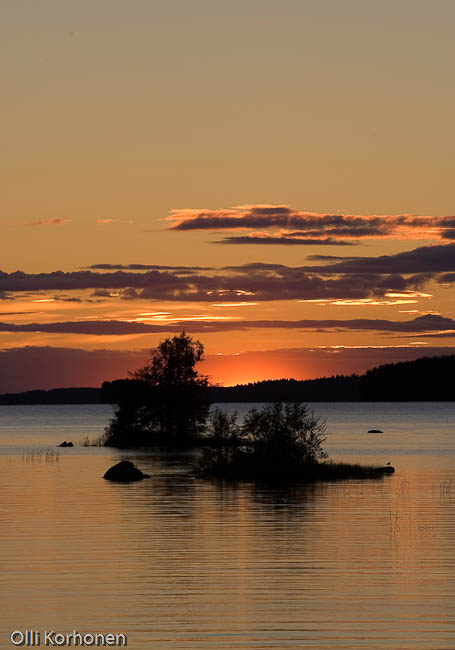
177,562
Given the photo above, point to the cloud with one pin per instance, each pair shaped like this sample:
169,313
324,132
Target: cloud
149,267
425,259
99,328
288,240
17,313
80,280
304,226
242,283
448,334
47,222
106,222
331,258
358,278
208,324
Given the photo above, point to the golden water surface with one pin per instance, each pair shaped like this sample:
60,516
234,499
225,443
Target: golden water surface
177,562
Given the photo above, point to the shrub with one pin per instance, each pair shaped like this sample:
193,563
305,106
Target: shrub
279,441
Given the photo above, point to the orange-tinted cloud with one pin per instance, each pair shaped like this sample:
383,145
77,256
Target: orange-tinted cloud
106,222
47,222
282,224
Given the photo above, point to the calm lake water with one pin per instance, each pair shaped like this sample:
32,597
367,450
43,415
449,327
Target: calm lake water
175,562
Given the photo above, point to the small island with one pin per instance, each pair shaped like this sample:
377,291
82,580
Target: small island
166,404
278,443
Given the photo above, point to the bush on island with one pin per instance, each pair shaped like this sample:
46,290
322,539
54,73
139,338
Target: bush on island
280,442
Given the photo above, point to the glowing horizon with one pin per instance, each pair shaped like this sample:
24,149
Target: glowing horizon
158,178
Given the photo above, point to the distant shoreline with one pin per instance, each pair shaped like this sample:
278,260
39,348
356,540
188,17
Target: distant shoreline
53,396
428,379
21,399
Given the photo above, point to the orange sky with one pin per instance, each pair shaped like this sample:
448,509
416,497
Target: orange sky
222,167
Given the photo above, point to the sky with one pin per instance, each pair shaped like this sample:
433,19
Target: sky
273,177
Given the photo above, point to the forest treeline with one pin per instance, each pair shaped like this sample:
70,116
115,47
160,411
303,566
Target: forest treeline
425,379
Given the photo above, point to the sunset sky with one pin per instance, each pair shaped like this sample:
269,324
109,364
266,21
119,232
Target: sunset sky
274,177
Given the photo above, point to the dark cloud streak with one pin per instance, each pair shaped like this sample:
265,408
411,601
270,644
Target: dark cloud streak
148,267
427,323
284,240
307,225
425,259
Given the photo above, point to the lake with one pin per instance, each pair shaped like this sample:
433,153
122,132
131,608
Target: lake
175,562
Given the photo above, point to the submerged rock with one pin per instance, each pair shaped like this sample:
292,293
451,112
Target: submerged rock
375,431
65,444
125,471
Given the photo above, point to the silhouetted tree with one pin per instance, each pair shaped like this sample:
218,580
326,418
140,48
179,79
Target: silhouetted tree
166,400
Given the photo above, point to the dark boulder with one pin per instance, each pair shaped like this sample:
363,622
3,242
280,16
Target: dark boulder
375,431
125,471
65,444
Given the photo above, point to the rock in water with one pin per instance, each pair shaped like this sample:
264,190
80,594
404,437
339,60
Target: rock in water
65,444
125,471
